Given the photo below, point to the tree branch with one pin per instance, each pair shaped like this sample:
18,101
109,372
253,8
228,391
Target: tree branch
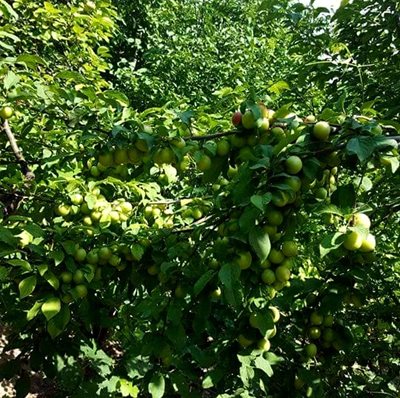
26,171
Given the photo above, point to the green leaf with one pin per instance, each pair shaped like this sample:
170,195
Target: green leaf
127,389
20,263
7,237
260,201
262,364
202,282
31,61
229,275
10,80
7,9
330,242
260,242
34,310
344,197
57,324
283,111
27,286
51,307
279,87
137,251
52,280
157,386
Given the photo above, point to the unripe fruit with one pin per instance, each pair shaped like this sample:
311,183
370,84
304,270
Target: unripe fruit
254,320
106,159
289,248
298,383
368,244
66,276
104,254
178,142
314,332
204,163
62,210
282,274
142,145
328,335
216,294
293,164
238,141
279,199
248,120
81,291
134,155
92,257
263,124
6,112
309,119
361,220
94,171
80,255
237,118
78,276
294,183
76,199
310,350
316,319
121,156
244,260
278,132
328,320
274,217
321,131
223,147
126,207
268,276
276,256
153,270
353,241
244,341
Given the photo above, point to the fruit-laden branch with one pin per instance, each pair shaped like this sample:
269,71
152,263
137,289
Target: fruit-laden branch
26,171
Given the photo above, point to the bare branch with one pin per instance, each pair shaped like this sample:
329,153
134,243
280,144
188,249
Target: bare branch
26,171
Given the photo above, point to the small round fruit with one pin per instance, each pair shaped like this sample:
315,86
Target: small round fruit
114,260
179,292
328,335
328,320
275,314
314,332
104,254
353,241
223,147
248,120
280,199
78,276
106,159
76,199
93,257
237,118
254,319
81,291
80,254
293,164
244,260
264,344
62,210
197,213
274,217
361,220
321,131
204,163
368,244
294,183
268,276
289,248
376,130
244,341
263,124
266,264
66,276
316,319
278,132
310,350
282,274
309,119
238,141
126,207
120,156
276,256
298,383
6,112
217,293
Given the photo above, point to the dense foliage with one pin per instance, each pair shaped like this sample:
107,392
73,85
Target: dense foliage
165,232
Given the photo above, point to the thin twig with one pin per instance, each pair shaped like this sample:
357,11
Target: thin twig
26,171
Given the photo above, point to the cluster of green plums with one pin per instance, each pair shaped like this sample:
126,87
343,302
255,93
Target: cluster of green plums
358,238
251,334
94,209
